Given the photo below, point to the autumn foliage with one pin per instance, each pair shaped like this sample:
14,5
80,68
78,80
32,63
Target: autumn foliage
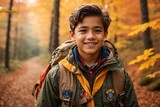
148,58
155,25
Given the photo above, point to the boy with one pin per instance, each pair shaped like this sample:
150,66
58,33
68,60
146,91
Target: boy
84,78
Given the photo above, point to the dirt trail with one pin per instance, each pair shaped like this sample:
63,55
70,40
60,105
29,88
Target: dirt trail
16,87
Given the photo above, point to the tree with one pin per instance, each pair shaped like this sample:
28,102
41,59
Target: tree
54,41
7,53
144,16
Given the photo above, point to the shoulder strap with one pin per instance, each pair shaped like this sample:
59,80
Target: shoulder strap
118,80
67,81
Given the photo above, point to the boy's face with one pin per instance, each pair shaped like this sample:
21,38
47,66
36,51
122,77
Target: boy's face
89,35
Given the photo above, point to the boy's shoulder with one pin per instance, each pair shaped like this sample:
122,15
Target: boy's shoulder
54,71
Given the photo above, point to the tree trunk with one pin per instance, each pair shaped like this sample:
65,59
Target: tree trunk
54,41
146,34
7,53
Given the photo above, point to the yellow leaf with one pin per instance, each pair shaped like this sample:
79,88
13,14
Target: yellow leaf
153,75
139,28
133,33
157,56
143,66
138,59
136,27
135,30
144,27
155,24
149,62
133,62
146,54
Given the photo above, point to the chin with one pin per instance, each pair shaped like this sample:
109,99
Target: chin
91,51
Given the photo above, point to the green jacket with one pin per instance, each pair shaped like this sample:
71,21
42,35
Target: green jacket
49,93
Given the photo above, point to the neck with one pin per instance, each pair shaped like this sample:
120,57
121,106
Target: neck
90,59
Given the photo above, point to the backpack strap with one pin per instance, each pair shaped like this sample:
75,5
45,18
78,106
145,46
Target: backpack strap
67,80
67,83
119,81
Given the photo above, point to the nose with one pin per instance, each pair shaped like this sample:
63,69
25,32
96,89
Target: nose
90,35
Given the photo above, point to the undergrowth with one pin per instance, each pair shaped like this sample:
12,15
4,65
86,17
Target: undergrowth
136,48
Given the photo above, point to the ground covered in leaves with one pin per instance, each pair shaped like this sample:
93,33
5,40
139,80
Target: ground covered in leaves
145,98
16,86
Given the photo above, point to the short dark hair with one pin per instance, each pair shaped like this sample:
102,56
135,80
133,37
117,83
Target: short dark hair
89,10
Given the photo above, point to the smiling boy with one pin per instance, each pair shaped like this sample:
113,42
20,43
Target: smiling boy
89,36
85,77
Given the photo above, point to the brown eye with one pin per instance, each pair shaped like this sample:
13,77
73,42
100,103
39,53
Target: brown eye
98,31
83,30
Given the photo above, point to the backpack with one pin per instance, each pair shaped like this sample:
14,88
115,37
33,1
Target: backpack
61,52
58,54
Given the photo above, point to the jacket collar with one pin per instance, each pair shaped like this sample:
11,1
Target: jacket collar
108,57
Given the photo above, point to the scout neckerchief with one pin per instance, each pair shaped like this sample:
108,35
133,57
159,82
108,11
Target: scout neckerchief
97,83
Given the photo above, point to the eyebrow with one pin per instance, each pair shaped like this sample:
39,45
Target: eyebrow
99,27
81,27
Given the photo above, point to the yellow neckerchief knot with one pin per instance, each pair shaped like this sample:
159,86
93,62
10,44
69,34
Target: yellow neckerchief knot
97,83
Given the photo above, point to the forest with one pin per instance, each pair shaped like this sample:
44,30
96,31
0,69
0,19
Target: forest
30,30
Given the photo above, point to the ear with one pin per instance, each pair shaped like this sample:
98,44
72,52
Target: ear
72,34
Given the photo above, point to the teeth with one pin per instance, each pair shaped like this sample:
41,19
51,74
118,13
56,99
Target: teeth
90,43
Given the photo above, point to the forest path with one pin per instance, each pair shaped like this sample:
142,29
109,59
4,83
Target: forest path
16,86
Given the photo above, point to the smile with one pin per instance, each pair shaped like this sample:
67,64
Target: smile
91,44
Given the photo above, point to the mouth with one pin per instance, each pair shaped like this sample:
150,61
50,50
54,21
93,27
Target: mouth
91,44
